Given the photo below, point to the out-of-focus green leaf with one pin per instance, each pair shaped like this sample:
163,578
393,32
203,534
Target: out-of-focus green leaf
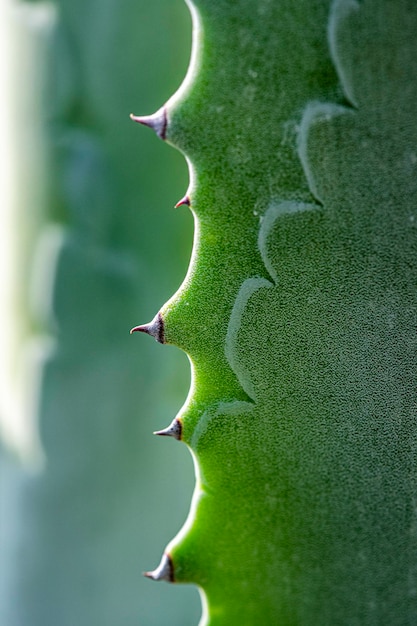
89,522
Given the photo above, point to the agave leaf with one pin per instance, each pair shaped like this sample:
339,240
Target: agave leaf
299,312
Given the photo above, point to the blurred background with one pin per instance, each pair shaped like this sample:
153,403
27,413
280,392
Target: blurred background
90,246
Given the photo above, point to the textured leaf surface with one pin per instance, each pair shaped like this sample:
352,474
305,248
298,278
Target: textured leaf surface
299,312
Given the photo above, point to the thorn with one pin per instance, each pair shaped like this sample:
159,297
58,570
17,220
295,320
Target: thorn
155,328
185,200
164,571
158,121
173,430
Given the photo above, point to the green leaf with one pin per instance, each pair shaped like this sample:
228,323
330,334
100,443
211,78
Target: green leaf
299,312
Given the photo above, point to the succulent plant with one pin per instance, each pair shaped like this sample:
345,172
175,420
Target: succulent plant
298,311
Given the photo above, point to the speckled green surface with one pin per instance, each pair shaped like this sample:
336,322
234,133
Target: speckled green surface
299,312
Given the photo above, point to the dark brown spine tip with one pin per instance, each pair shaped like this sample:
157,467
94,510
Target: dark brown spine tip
155,328
173,430
164,571
184,201
158,121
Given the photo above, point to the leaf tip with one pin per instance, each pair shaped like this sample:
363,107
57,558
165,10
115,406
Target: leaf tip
157,122
155,328
174,430
184,201
164,571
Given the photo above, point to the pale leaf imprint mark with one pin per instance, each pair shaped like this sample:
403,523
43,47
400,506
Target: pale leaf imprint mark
252,285
274,212
223,409
246,291
341,11
315,113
